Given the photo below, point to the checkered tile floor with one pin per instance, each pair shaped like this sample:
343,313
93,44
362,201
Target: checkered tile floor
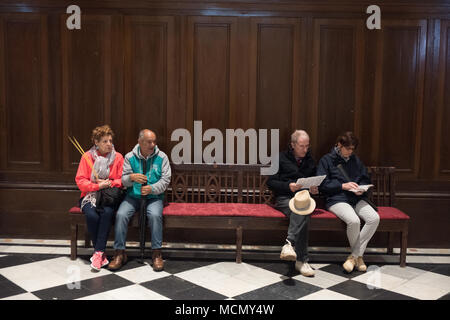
53,276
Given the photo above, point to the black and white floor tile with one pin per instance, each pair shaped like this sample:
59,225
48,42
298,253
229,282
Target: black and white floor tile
31,274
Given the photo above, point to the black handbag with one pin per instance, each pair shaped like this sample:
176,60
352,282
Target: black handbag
110,197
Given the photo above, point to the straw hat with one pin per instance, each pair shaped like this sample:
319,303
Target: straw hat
302,203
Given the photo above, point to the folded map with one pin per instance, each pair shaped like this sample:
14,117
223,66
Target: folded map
311,181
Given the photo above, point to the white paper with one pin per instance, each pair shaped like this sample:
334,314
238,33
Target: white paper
362,188
311,181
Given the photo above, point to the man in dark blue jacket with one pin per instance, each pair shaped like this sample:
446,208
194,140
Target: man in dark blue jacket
294,163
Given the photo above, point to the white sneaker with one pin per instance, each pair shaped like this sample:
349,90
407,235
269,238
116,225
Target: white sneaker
288,253
305,269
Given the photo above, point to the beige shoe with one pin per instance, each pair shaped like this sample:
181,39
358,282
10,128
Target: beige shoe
288,253
360,265
349,264
305,269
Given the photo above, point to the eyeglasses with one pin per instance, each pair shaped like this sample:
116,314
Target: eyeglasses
349,148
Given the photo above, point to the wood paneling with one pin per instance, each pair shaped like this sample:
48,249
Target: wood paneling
274,75
402,63
337,74
86,87
211,55
442,160
149,76
24,92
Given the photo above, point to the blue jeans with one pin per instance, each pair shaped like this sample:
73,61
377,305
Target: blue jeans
154,217
98,224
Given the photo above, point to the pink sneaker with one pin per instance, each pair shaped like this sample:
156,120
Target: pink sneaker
105,261
97,260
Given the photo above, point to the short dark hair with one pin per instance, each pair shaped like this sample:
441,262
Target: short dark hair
347,139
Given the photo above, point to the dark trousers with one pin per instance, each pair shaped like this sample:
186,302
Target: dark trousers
298,228
98,224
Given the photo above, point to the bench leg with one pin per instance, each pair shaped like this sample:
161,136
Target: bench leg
239,244
73,240
390,249
87,238
404,248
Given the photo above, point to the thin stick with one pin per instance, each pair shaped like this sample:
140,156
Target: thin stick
87,158
77,146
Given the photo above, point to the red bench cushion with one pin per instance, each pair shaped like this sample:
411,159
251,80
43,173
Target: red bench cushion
385,213
322,214
221,209
252,210
392,213
75,210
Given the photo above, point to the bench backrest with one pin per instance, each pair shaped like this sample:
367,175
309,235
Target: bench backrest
222,183
218,183
383,179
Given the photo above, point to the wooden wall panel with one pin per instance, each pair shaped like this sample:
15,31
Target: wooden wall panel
86,87
149,76
24,92
402,63
337,74
442,151
3,132
211,55
274,75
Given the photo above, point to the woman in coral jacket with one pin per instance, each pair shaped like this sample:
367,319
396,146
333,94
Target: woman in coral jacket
99,168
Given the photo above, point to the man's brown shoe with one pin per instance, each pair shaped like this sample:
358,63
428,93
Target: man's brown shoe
120,258
158,262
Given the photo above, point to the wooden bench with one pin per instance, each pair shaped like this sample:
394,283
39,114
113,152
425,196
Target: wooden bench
236,197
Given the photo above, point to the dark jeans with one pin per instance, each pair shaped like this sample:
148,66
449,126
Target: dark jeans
298,228
98,224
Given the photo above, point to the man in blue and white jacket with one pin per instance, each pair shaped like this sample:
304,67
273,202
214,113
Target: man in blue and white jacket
157,176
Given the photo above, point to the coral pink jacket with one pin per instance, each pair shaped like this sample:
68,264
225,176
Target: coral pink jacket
83,177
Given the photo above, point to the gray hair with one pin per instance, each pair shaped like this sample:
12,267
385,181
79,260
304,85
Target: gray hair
297,134
142,133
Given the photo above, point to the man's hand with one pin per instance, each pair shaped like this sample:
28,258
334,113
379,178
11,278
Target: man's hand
103,184
294,187
145,190
349,185
138,177
314,190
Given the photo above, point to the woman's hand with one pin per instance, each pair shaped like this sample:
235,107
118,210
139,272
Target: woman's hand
349,185
103,184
